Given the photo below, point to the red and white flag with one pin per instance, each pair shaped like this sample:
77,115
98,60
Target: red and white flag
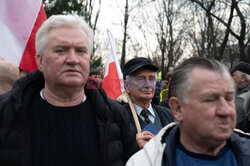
113,78
19,22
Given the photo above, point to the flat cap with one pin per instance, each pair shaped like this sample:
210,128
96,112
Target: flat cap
138,63
242,67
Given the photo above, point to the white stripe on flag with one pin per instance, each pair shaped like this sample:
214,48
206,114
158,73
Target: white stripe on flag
112,58
10,48
17,19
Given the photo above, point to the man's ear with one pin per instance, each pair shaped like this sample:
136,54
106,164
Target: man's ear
176,108
126,86
39,60
244,76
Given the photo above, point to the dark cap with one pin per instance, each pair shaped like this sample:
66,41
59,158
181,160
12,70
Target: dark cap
138,63
242,67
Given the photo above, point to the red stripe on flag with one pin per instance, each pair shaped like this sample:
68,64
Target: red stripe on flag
111,83
28,62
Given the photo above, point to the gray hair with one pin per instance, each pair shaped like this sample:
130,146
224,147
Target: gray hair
181,82
59,21
248,77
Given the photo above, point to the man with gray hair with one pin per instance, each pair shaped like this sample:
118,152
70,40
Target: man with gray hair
54,116
8,75
140,83
202,101
241,76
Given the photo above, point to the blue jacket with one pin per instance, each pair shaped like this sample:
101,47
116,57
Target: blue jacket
153,152
239,143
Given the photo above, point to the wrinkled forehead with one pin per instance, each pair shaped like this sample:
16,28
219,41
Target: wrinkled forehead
67,29
210,78
66,36
223,72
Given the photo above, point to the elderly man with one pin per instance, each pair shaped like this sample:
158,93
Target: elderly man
202,101
49,118
241,76
140,79
8,75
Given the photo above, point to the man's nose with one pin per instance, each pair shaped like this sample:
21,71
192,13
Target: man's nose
149,83
225,107
72,57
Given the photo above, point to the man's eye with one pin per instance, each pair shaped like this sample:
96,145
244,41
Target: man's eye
60,50
230,98
80,51
139,79
210,100
152,80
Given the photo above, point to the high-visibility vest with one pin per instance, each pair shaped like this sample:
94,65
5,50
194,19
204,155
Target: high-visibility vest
159,76
163,94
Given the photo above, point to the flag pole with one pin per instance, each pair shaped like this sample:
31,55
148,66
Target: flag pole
132,108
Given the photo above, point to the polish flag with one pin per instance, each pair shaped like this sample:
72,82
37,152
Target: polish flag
19,22
113,79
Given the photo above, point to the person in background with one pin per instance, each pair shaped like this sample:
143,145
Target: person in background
140,79
95,76
158,86
244,124
8,75
95,73
54,116
202,101
241,76
164,92
22,73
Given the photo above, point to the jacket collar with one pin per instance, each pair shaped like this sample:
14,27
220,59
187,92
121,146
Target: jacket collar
156,146
243,89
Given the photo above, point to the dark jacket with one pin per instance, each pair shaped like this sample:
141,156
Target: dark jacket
244,125
242,103
165,103
165,114
116,139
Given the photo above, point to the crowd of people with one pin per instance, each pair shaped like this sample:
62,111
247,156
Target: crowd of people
50,117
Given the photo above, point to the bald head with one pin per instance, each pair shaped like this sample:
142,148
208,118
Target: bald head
9,73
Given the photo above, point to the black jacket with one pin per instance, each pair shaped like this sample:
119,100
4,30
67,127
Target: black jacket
116,139
244,125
